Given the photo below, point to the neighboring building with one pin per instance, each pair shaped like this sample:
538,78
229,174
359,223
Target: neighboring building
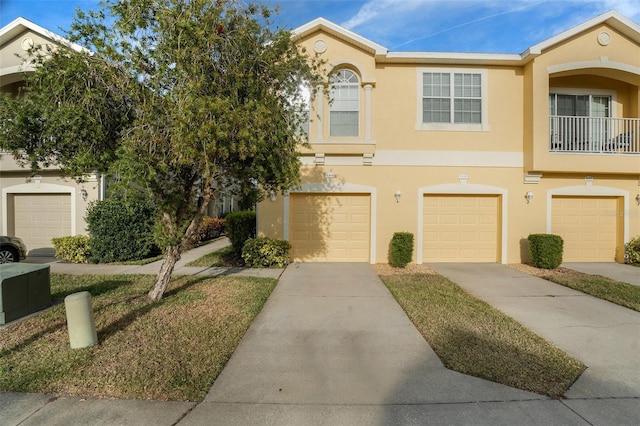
469,152
44,206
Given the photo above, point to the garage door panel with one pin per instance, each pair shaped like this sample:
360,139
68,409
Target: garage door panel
460,228
40,217
335,228
586,225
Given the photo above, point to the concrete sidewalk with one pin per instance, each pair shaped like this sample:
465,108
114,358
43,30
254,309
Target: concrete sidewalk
181,267
615,271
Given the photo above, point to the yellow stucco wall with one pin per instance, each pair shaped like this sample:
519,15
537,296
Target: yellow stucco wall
582,61
22,183
495,159
522,218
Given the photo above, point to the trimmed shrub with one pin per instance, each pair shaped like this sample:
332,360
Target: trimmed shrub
240,226
632,251
210,228
401,250
266,252
121,229
546,250
73,249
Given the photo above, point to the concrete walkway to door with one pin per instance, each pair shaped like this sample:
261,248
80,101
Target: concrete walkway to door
604,336
332,347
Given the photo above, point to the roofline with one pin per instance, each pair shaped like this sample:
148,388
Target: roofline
612,18
7,30
453,58
341,32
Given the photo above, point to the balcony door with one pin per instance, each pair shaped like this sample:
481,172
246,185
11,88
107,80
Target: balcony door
579,121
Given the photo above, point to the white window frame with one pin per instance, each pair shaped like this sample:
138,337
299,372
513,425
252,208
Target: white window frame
358,87
483,126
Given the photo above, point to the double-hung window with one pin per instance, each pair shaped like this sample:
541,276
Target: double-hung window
452,99
345,104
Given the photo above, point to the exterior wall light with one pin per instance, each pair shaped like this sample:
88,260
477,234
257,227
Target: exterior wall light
272,195
329,176
638,199
528,196
398,195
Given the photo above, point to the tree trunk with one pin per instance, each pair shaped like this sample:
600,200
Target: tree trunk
172,255
174,251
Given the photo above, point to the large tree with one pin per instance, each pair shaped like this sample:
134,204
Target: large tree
177,97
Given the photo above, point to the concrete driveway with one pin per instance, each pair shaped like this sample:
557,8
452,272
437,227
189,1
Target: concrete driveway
605,336
332,346
615,271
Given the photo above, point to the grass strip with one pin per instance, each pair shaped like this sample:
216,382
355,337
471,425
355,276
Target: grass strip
171,350
473,338
222,257
617,292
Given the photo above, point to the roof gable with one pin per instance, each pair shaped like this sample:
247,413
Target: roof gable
612,18
19,25
341,33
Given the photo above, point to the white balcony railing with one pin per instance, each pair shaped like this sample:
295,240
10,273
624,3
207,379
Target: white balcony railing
594,135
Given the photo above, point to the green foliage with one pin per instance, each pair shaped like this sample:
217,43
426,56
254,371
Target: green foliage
632,251
266,252
69,114
179,99
401,250
121,229
546,250
210,228
74,249
240,226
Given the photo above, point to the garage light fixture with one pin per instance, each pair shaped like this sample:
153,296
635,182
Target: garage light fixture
329,176
398,195
272,195
638,199
83,194
528,196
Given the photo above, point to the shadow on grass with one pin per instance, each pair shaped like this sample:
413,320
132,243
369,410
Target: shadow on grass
549,373
98,290
144,306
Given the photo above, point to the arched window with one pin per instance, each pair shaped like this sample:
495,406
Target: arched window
345,104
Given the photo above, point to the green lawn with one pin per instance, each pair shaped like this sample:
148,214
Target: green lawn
222,257
172,350
473,338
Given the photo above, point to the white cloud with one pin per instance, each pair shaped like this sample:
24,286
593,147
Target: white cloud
629,8
373,9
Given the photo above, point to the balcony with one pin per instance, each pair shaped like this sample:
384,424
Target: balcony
594,135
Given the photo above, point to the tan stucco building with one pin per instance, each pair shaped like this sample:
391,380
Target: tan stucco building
469,152
37,208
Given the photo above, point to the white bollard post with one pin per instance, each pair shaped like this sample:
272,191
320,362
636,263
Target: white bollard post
82,329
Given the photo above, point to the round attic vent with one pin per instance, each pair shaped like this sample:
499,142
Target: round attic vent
320,46
604,38
27,43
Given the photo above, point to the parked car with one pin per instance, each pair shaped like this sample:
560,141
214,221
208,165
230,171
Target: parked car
12,249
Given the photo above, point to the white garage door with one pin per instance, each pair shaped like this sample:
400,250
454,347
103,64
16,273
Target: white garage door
588,226
460,228
330,228
40,217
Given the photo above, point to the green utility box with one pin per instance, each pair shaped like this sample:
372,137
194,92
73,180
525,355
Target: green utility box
24,289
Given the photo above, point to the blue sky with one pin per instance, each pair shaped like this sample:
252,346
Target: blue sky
491,26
